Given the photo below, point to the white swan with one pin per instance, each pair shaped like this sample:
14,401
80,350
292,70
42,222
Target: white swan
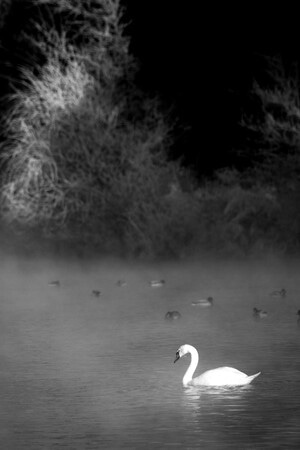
222,376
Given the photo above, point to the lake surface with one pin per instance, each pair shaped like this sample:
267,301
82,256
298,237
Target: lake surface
79,371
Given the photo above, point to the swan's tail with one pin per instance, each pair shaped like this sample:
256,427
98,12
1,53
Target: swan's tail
251,377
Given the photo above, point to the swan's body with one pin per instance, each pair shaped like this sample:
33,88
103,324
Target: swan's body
157,283
172,315
259,313
121,283
204,302
222,376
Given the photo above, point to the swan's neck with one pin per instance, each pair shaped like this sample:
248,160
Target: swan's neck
192,367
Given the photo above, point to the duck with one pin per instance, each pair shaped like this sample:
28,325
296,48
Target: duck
96,293
280,293
121,283
172,315
204,302
55,283
157,283
222,376
259,313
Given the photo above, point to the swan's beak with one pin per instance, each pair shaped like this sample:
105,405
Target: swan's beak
177,357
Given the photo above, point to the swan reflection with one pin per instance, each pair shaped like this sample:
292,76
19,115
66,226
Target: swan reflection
196,398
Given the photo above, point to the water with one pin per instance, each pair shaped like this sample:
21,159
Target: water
85,372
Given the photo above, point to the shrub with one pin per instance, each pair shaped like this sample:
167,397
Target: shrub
276,152
5,6
275,127
81,161
235,217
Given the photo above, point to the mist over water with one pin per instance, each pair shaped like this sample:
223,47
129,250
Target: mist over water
80,370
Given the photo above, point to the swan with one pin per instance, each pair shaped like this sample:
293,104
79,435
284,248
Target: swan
157,283
222,376
259,313
121,283
172,315
204,302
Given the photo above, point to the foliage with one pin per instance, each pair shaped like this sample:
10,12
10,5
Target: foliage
275,127
80,162
5,6
276,156
236,217
87,153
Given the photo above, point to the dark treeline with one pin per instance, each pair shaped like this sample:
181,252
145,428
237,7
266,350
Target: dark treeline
87,156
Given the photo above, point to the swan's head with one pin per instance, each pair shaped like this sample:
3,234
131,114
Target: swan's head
182,351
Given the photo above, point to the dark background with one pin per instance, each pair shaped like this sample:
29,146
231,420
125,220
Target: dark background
203,61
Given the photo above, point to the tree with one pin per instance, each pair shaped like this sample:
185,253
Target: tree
87,154
276,152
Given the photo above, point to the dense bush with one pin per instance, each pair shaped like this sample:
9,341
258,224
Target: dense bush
5,6
275,155
86,156
236,217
